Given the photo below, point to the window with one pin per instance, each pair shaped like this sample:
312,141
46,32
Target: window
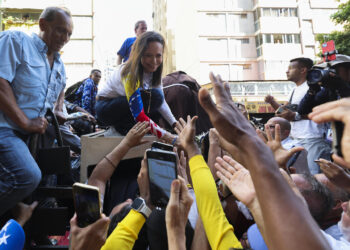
288,38
275,12
266,12
244,40
214,23
292,12
278,12
247,66
284,12
267,38
296,38
259,51
258,40
277,38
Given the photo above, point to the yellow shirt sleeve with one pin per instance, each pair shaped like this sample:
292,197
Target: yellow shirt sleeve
126,232
217,228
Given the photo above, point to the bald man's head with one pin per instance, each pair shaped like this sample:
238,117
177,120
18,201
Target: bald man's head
284,125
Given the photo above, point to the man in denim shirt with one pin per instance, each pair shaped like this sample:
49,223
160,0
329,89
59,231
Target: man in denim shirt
32,80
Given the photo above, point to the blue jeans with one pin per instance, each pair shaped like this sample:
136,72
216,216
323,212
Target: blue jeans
316,148
19,173
116,112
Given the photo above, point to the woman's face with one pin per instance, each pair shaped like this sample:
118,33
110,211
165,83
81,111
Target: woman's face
152,57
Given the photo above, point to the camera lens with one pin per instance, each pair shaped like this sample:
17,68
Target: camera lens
314,75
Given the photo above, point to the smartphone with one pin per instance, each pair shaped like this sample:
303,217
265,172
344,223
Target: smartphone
337,131
162,170
156,146
87,203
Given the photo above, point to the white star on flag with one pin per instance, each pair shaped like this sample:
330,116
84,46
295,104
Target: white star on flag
5,227
3,239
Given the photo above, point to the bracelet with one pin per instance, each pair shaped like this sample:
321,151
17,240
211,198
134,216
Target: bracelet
110,162
174,140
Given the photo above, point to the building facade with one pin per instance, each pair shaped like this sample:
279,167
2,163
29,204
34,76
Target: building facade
242,40
78,54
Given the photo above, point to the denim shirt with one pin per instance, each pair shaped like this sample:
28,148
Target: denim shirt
25,66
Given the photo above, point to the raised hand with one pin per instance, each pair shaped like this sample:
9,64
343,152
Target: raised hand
187,132
143,182
287,114
91,237
176,214
181,164
336,111
274,143
225,116
335,173
22,212
236,178
136,133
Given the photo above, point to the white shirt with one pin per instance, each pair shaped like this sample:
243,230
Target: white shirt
289,143
304,128
341,244
114,87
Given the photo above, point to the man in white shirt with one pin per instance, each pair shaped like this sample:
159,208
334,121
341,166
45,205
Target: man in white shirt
309,134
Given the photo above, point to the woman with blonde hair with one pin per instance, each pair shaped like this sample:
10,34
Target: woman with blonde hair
134,92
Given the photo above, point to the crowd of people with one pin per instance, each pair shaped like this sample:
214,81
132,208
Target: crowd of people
238,186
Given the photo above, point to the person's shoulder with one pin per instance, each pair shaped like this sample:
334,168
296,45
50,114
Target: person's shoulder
130,40
15,35
88,82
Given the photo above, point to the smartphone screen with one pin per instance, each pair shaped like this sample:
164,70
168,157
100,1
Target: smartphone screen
157,146
161,171
86,203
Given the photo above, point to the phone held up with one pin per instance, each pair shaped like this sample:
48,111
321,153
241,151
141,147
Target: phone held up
87,203
162,170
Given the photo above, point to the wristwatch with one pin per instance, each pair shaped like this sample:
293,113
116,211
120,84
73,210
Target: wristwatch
140,206
297,117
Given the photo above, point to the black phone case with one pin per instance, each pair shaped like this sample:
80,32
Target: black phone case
159,198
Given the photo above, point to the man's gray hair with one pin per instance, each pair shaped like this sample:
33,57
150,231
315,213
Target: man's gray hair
138,23
49,13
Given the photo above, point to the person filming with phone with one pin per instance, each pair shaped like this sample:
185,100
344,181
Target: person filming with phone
309,134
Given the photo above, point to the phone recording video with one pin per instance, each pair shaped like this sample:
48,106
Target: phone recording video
86,203
162,170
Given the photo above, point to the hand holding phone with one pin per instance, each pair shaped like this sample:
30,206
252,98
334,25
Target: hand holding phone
87,203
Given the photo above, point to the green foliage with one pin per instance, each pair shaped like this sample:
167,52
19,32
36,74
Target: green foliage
342,16
341,38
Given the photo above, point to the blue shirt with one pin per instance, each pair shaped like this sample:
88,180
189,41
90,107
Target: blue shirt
86,96
126,48
25,66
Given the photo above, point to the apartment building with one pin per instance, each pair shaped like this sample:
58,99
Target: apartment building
78,54
242,40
